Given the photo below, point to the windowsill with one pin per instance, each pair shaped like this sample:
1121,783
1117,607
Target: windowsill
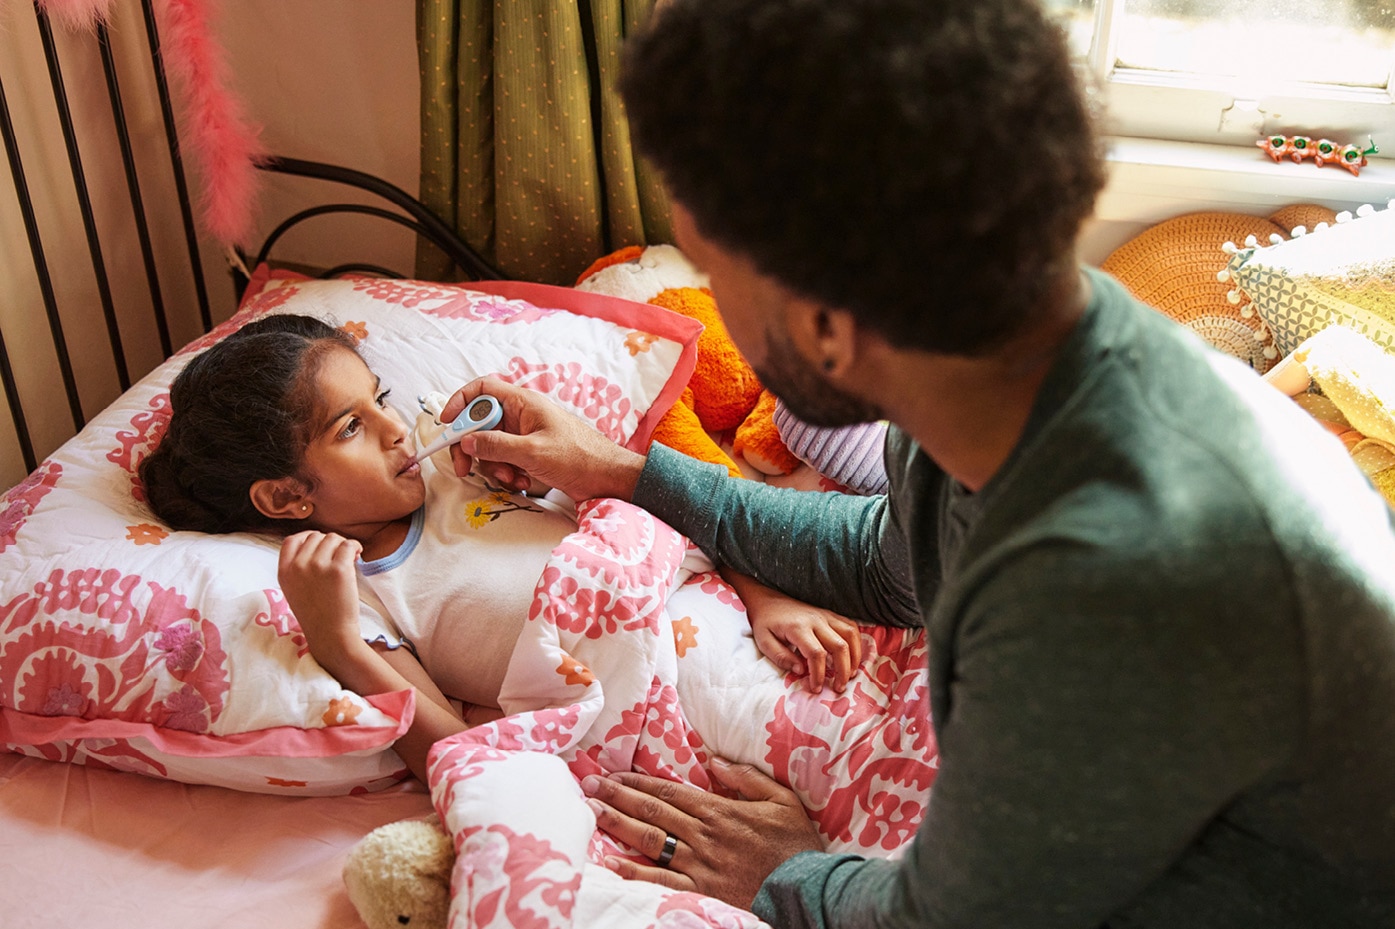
1151,180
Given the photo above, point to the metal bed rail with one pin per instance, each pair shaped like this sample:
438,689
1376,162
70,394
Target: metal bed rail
159,271
99,269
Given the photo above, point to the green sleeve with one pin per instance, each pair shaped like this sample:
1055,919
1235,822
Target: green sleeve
839,551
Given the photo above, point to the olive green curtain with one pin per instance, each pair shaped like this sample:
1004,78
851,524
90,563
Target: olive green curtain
524,144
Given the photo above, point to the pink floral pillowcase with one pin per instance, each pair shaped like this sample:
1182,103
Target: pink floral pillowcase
173,654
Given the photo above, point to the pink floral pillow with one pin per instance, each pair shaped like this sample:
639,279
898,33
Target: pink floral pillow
127,645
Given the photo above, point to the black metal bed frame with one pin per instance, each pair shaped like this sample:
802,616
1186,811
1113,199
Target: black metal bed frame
409,213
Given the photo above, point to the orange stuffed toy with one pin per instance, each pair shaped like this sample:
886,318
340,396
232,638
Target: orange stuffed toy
724,398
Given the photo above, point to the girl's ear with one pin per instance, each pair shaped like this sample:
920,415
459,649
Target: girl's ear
280,498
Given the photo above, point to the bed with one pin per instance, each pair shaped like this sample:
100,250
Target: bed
173,756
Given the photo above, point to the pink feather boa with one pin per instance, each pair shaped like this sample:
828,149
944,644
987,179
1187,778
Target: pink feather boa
215,133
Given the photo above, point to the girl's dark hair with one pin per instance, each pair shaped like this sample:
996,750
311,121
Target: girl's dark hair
240,413
923,164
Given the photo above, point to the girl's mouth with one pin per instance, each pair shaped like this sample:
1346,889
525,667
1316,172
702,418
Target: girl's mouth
411,467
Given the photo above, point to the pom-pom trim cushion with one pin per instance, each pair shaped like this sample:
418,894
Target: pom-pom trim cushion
1338,274
1172,267
127,645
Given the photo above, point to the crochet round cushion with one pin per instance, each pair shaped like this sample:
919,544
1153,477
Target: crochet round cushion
1173,266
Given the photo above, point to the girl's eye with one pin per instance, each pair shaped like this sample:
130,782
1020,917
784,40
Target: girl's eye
382,398
351,427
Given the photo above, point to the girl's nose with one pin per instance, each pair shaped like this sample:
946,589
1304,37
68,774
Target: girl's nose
394,428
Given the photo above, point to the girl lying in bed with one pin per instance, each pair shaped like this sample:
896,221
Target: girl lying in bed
399,574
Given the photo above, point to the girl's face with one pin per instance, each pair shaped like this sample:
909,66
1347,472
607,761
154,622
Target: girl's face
360,454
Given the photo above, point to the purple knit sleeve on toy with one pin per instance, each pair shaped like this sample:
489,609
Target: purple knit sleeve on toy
851,455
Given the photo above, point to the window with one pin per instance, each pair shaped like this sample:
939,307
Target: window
1232,71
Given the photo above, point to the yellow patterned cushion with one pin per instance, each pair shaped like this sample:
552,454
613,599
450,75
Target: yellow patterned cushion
1356,376
1343,274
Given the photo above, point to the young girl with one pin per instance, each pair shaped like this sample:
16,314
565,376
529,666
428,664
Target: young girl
283,428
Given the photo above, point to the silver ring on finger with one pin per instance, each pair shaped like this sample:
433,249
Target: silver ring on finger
670,846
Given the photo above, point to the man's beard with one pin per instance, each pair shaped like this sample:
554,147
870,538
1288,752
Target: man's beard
805,392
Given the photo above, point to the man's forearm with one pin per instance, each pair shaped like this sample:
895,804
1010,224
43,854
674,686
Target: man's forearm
823,548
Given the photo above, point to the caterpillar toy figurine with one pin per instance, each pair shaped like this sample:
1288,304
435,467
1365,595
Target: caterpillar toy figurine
1322,151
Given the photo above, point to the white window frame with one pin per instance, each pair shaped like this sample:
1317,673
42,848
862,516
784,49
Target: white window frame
1166,105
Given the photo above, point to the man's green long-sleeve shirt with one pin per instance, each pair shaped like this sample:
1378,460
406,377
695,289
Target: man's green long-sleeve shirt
1162,652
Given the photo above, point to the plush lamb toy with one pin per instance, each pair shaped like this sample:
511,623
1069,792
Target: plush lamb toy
399,875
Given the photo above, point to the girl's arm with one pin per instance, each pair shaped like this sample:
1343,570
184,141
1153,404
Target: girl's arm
319,580
799,638
364,670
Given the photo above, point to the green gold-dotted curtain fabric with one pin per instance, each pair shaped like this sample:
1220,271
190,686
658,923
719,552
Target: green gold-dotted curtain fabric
525,148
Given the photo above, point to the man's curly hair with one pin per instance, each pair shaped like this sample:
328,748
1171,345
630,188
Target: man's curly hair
923,164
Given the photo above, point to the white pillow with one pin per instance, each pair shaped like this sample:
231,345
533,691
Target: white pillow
173,654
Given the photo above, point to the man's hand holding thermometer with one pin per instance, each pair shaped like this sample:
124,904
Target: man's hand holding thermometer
540,444
484,412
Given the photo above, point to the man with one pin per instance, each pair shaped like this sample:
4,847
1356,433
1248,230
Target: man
1159,600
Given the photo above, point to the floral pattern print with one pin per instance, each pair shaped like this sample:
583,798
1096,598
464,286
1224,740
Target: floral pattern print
606,677
278,617
637,342
146,534
600,401
410,294
99,644
484,510
135,443
22,499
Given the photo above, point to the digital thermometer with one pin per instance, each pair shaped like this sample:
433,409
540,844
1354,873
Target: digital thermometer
483,412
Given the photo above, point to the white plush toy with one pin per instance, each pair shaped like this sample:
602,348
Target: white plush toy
399,875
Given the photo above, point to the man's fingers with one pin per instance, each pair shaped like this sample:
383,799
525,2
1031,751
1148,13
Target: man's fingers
460,460
493,386
490,452
668,877
747,783
657,801
641,836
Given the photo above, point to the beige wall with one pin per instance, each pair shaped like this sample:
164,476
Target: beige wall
333,82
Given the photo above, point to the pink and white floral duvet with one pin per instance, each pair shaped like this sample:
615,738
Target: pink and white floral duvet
628,664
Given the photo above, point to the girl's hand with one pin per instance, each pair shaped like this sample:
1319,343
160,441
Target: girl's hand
317,575
320,582
801,639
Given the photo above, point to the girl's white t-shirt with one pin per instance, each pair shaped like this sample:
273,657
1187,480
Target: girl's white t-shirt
458,589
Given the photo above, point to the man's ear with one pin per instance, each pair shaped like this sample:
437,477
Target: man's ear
826,337
280,498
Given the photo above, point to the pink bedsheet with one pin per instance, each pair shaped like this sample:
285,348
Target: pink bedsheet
84,847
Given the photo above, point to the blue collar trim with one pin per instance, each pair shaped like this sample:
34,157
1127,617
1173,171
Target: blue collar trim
409,544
